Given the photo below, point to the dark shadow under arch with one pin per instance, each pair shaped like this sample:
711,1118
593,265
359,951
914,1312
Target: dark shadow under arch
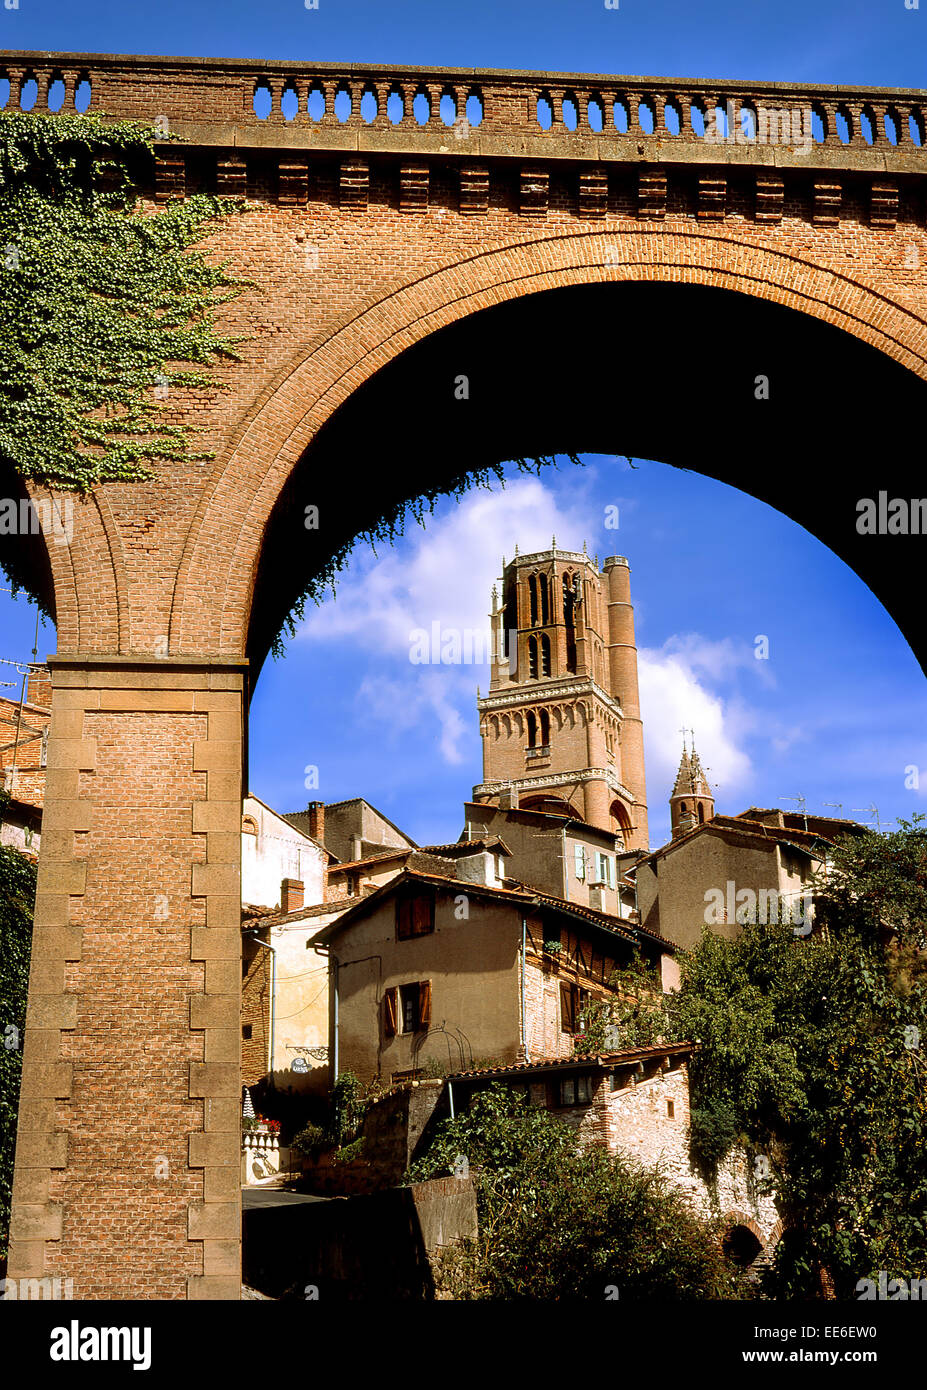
649,370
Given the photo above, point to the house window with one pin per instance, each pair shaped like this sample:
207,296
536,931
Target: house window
577,1090
246,1030
580,854
407,1008
670,1110
606,868
572,999
44,758
415,915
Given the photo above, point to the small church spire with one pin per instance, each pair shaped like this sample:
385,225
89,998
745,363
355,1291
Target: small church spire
692,801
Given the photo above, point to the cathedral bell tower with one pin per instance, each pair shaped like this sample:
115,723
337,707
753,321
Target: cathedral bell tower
692,802
561,723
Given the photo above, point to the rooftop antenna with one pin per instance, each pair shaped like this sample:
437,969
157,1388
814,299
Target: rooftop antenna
870,811
834,805
801,806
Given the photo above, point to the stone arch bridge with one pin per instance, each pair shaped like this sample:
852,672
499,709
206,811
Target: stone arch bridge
615,264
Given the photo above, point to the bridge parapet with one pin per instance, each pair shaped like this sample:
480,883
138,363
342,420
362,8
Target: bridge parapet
242,103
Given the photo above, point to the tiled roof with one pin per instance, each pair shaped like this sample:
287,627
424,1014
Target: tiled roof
451,850
752,812
544,815
599,1059
618,926
800,839
272,916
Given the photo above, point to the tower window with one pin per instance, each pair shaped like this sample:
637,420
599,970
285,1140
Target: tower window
532,724
569,597
545,728
533,599
533,658
545,656
545,599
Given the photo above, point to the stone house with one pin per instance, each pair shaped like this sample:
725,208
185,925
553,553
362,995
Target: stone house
560,854
350,830
718,871
285,996
24,728
721,872
441,969
275,854
636,1102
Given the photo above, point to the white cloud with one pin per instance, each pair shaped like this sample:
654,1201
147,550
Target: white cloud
674,694
444,575
423,701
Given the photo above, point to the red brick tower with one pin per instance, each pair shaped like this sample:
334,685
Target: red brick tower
561,723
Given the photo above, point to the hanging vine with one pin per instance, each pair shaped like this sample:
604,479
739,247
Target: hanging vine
392,525
103,308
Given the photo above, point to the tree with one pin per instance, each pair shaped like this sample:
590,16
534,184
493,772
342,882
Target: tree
557,1221
812,1052
17,896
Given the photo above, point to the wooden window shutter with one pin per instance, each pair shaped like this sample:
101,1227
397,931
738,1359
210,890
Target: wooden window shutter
566,1009
424,1004
422,914
390,1012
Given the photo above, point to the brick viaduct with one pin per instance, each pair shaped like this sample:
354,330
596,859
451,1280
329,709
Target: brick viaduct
610,279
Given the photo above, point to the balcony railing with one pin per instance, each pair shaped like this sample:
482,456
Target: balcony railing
335,104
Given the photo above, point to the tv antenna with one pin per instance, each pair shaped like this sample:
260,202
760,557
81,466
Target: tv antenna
801,806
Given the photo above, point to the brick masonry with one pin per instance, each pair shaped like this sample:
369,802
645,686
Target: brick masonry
362,244
127,1158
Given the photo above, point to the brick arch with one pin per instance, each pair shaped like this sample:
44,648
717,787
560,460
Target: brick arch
223,543
740,1218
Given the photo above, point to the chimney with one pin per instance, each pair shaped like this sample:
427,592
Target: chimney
316,813
508,798
597,897
357,847
292,893
38,687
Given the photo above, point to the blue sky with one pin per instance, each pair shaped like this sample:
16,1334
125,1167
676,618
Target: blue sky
712,570
405,736
881,43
